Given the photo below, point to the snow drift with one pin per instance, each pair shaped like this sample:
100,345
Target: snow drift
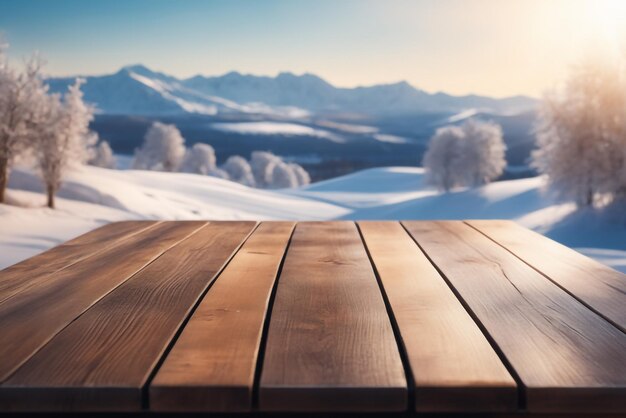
94,196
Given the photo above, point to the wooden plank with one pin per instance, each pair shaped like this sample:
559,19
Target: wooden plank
211,368
599,287
330,344
568,358
34,270
101,361
31,318
453,366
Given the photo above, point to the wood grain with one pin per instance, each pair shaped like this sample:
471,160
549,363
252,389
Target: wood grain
453,366
112,349
31,318
599,287
212,365
36,269
330,344
568,358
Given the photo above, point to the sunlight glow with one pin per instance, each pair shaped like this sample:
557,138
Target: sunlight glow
492,47
609,19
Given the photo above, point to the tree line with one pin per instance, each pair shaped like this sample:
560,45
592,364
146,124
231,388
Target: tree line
580,140
51,130
164,149
580,134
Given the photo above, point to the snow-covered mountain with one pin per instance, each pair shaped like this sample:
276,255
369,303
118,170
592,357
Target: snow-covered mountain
137,90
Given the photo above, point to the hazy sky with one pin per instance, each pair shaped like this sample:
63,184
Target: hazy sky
493,47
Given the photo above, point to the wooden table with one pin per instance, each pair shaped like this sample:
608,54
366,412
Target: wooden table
411,317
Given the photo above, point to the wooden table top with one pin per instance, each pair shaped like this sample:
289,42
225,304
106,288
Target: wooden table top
414,317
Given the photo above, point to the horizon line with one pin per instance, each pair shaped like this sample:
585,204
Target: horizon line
305,73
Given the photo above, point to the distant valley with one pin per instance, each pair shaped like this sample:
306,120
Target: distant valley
330,130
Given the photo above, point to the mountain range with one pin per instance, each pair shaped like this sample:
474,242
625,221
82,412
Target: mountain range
137,90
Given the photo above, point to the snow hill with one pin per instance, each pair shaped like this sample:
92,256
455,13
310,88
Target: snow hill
137,90
93,196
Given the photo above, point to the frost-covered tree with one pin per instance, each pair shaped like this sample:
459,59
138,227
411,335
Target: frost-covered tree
270,171
301,174
283,176
199,159
483,152
102,155
262,164
22,95
239,170
581,133
62,138
163,149
442,159
218,173
468,155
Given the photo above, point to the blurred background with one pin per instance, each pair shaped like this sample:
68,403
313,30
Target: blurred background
300,109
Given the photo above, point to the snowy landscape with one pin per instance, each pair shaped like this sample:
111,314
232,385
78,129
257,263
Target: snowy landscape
329,130
135,142
94,196
59,158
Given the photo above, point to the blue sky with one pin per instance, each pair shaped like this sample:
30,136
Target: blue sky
490,47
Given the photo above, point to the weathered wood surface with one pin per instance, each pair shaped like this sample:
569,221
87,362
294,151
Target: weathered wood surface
330,345
119,341
568,358
212,365
453,366
31,318
36,269
599,287
482,316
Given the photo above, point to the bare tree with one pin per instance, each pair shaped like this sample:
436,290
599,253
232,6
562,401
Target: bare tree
581,133
163,149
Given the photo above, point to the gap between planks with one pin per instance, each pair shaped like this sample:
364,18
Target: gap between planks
545,333
225,332
28,273
453,366
521,394
31,319
146,388
71,388
329,309
565,268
